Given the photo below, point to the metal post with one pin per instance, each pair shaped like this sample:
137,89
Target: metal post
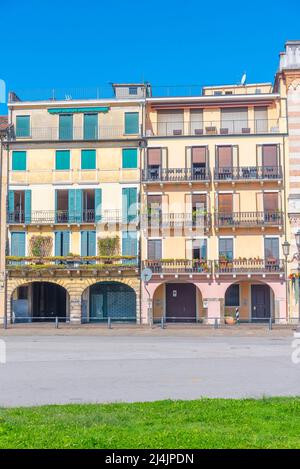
56,322
270,323
216,323
5,322
109,322
162,323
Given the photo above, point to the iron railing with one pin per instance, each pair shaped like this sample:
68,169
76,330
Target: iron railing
215,127
248,173
175,174
76,133
51,216
248,219
39,264
177,220
247,266
174,266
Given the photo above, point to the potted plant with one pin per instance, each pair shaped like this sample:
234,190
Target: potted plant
230,320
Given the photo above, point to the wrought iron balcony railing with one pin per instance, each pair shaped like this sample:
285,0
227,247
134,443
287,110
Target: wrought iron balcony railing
248,266
248,219
247,173
75,133
177,220
174,266
51,217
160,174
60,263
215,127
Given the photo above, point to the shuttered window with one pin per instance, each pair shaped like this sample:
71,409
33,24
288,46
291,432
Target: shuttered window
154,156
129,158
154,249
19,160
131,123
271,248
199,156
129,245
18,244
23,126
196,124
170,122
88,243
199,249
88,159
90,126
234,119
224,156
270,201
129,204
261,119
62,160
62,243
225,203
65,127
269,156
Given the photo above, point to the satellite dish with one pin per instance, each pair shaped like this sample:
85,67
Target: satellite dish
146,275
244,78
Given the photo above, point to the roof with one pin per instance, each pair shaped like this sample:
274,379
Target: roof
3,122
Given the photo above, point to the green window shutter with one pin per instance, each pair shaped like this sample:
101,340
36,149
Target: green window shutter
62,160
71,205
88,159
18,244
98,204
92,243
78,205
129,158
66,127
57,243
19,160
129,245
65,242
28,206
84,243
129,200
131,123
11,205
23,126
90,126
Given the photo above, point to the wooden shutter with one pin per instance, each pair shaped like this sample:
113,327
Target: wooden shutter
270,201
269,155
154,156
224,157
225,203
98,204
90,131
199,155
84,243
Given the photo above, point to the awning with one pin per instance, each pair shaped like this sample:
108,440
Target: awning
76,110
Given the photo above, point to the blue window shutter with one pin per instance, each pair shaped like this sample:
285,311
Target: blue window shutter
90,130
125,204
57,243
71,205
18,244
23,126
11,205
78,205
62,160
132,200
84,243
98,204
131,123
88,159
66,242
92,243
28,206
19,161
129,158
129,245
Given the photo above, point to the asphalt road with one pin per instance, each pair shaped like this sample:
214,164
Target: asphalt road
46,369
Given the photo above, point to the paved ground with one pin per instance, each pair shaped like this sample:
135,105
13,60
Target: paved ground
98,365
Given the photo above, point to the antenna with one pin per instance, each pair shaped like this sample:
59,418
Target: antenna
243,80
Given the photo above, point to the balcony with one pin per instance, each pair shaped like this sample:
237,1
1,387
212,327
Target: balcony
50,217
216,127
76,133
249,266
159,175
173,221
248,219
248,173
179,266
71,265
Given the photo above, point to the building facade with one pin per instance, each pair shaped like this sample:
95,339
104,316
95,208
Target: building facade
200,189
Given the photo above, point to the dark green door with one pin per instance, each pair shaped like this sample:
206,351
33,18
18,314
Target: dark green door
112,299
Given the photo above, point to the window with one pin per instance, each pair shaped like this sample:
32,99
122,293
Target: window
90,126
19,160
23,126
88,159
131,123
129,158
271,248
198,155
235,120
133,90
62,159
217,93
88,243
154,249
170,122
154,163
226,248
62,243
129,204
261,119
66,127
18,244
199,249
232,295
129,243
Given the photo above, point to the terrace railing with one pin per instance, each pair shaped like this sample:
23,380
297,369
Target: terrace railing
248,219
248,173
176,174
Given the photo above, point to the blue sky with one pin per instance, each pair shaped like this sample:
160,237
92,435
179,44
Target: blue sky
89,43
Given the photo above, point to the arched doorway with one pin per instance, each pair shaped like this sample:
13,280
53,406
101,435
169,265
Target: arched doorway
254,300
114,300
178,302
39,301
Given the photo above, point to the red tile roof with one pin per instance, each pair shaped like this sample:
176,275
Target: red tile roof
3,122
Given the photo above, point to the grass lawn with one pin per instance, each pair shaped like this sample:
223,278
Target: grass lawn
205,423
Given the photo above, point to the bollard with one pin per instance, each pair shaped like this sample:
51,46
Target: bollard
5,322
162,323
216,324
270,324
109,322
56,322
